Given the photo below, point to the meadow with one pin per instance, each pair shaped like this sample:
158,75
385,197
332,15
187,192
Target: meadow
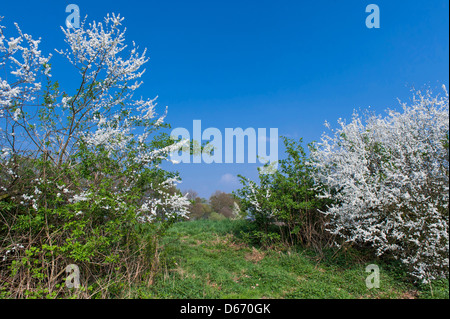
214,259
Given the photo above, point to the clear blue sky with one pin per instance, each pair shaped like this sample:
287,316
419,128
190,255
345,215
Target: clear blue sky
285,64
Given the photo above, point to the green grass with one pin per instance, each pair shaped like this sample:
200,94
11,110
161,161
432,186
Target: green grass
210,259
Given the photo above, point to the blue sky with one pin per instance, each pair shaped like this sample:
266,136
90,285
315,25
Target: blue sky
285,64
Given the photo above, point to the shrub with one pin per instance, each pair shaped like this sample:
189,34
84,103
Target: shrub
216,216
388,177
287,197
79,173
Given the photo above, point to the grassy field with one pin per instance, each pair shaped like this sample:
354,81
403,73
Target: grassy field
211,259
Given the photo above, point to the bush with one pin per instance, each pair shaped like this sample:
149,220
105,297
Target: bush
388,178
79,174
288,198
216,216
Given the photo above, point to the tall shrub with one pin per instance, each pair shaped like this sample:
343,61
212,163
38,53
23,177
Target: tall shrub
288,197
79,169
389,178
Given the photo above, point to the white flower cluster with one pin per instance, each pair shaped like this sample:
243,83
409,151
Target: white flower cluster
21,63
164,204
389,179
26,62
13,249
83,196
255,200
115,118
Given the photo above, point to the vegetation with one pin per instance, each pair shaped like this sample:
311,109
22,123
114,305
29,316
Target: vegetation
388,178
219,206
214,259
376,182
79,170
288,197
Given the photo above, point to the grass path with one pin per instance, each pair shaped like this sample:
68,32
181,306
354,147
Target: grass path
207,259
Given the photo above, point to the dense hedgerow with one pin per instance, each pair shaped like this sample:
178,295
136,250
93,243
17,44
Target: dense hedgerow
382,182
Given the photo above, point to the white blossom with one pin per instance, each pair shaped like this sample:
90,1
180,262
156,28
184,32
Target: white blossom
389,181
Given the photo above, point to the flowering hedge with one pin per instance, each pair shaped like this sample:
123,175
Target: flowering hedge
381,181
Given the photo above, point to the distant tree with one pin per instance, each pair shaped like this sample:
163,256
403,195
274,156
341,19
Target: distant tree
199,207
216,216
190,194
199,210
223,203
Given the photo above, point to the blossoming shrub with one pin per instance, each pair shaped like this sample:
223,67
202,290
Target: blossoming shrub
389,181
80,176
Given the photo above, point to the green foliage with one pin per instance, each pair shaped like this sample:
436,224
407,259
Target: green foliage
100,233
216,216
435,289
288,198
